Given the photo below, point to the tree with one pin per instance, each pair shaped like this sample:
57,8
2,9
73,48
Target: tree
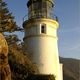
7,23
12,39
20,64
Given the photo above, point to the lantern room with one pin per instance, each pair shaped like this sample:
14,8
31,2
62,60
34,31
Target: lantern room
40,9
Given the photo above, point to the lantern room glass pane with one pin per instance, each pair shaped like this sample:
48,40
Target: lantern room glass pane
40,9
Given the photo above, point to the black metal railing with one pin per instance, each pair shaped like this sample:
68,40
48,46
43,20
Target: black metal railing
54,17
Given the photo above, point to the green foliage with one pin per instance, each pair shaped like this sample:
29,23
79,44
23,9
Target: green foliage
21,65
12,39
7,22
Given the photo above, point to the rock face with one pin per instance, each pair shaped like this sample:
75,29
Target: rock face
5,73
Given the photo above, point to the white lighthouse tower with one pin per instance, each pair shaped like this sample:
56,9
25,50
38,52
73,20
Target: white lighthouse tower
41,37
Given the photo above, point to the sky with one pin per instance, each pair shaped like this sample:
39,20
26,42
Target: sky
68,12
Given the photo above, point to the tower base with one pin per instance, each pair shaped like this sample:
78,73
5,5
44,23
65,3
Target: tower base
41,77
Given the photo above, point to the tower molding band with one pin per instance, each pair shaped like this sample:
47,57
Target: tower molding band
41,20
40,36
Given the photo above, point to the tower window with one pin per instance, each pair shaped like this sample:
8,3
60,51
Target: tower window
43,28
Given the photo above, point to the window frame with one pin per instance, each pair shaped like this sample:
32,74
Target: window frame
43,29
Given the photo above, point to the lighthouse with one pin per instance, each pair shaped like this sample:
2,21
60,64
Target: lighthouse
41,38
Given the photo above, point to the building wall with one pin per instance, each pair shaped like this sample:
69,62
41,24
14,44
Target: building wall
43,47
61,71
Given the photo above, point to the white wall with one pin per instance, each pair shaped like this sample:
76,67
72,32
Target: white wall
44,47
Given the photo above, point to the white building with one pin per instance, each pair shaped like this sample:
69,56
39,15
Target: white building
41,37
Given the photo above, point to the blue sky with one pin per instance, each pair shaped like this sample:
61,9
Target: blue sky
68,12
